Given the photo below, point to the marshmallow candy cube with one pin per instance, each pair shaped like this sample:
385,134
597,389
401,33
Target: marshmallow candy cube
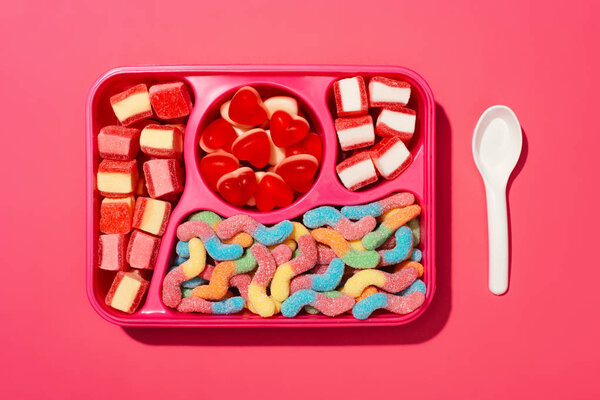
126,291
385,92
117,178
357,171
116,214
132,105
142,250
170,100
151,215
350,97
111,252
391,157
162,141
118,142
355,132
396,122
163,177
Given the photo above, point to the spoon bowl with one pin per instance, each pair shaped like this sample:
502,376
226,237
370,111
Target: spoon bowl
497,144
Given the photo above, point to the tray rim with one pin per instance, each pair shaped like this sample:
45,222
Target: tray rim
428,186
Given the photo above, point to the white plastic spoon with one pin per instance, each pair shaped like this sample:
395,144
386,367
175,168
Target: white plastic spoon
497,143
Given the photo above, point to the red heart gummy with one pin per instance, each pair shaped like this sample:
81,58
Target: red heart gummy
252,146
298,171
247,108
272,192
287,129
311,144
219,134
213,166
238,186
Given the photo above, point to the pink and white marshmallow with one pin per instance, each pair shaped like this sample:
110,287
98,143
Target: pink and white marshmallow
385,92
355,132
391,157
357,171
398,122
351,97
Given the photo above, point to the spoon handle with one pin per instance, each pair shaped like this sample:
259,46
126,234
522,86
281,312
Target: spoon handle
497,239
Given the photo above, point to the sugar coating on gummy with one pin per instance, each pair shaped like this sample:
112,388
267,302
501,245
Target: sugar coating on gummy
350,96
111,252
385,92
393,220
116,214
118,142
215,248
391,157
357,171
330,306
416,286
260,302
284,103
117,178
398,122
151,215
162,141
245,223
390,282
142,250
396,304
231,305
401,250
164,177
132,105
326,280
126,291
170,100
416,255
415,226
343,250
355,132
377,208
327,215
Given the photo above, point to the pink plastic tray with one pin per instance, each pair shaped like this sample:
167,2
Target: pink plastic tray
312,85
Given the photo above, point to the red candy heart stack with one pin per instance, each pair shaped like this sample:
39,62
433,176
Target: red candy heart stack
259,154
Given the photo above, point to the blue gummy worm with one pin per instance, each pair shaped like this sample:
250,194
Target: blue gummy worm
321,216
416,286
179,260
293,304
364,308
182,249
192,283
228,306
417,255
404,240
273,235
358,212
220,251
330,278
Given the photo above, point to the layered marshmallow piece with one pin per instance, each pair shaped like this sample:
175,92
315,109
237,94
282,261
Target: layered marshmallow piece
111,252
170,100
151,215
385,92
355,132
281,103
398,122
127,291
132,105
162,141
350,97
142,250
116,214
391,157
117,178
118,142
163,177
357,171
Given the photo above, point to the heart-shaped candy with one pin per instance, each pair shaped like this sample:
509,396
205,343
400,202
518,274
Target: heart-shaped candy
247,108
253,146
213,166
287,129
272,192
298,171
238,186
219,134
311,144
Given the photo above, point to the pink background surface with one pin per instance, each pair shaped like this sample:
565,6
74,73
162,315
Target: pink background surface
539,340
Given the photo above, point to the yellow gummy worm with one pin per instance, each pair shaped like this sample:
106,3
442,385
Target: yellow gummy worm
298,231
357,283
197,261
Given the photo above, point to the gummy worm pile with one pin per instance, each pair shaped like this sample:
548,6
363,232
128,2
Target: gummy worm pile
356,259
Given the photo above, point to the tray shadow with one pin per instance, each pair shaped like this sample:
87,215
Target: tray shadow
421,330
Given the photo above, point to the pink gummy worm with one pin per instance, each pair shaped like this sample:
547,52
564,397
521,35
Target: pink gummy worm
397,200
308,255
333,306
326,254
320,269
235,224
400,280
171,289
266,265
300,282
404,304
195,304
282,254
389,243
192,229
355,230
